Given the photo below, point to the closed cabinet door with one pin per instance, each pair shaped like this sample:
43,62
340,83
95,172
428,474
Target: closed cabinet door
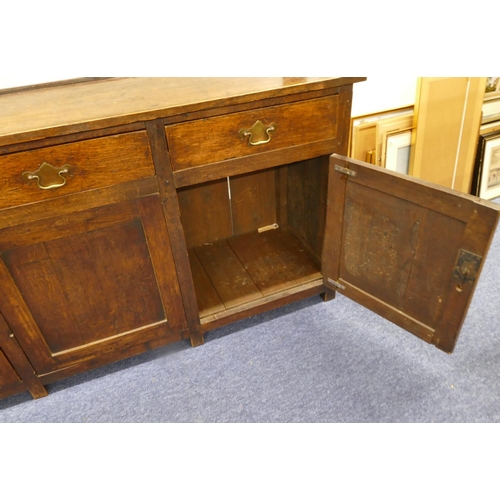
409,250
16,372
91,284
10,382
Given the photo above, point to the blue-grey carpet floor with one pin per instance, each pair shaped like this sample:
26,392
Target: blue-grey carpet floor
307,362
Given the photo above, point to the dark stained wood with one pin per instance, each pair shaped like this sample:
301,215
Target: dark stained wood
423,300
172,214
380,241
217,139
66,139
95,163
275,260
228,276
205,212
99,270
231,275
86,200
260,161
119,347
90,280
396,252
98,284
34,274
264,304
21,322
232,107
8,376
207,297
153,222
67,225
476,239
282,196
253,201
306,202
31,115
344,119
16,372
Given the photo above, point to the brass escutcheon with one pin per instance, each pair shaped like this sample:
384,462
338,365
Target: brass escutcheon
47,176
467,267
258,133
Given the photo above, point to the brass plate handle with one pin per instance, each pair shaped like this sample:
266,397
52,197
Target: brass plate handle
258,133
47,176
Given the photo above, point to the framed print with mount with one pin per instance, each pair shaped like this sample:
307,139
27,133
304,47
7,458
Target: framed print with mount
486,177
397,151
492,88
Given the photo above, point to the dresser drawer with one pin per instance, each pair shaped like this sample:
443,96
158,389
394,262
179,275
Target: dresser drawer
248,133
54,171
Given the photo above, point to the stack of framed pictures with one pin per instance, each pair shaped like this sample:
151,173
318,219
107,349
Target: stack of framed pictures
486,177
383,139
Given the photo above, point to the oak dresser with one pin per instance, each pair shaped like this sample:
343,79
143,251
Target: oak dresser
136,212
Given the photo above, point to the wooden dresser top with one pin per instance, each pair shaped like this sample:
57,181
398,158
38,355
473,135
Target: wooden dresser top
42,112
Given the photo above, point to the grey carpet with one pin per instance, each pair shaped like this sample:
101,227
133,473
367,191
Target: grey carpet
306,362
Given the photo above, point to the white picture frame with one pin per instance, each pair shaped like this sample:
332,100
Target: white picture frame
398,147
486,179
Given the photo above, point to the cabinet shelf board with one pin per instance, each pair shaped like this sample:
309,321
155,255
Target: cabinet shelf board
247,268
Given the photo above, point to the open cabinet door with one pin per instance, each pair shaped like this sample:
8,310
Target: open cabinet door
407,249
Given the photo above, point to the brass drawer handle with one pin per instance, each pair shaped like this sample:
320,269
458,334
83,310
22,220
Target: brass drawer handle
258,134
47,176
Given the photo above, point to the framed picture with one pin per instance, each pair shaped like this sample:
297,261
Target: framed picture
368,133
397,151
486,176
492,87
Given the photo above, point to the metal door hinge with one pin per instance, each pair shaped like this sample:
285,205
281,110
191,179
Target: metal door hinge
336,284
344,170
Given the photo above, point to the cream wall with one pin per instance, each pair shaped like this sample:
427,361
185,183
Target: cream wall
381,93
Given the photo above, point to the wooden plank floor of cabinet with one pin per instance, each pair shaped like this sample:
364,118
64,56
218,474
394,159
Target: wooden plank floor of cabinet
275,260
232,282
208,299
248,269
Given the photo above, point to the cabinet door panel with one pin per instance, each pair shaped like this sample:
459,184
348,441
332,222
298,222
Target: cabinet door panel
84,288
16,373
8,376
409,250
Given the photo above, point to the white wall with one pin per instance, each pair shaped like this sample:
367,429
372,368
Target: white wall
381,93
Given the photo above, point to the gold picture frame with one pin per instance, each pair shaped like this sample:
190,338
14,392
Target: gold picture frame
369,134
486,176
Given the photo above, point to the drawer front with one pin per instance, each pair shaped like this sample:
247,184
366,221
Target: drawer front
239,135
64,169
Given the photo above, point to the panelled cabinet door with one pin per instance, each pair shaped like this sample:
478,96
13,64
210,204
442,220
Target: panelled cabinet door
16,373
407,249
10,382
86,284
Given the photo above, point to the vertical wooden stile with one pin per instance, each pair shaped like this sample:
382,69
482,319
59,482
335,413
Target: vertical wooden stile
168,194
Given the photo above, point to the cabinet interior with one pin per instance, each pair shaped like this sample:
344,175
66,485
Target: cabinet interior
255,235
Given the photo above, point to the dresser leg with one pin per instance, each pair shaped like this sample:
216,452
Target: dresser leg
328,295
38,392
197,339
